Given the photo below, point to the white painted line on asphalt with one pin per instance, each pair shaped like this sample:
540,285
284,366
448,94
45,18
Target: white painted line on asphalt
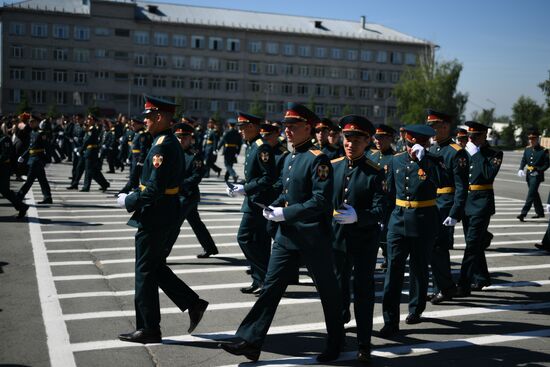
132,260
203,213
185,225
56,330
517,182
132,248
295,328
495,234
93,239
131,229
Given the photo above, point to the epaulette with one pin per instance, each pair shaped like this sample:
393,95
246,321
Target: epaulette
259,142
455,146
336,159
373,165
315,152
161,139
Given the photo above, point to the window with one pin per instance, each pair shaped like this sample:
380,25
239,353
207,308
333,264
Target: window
197,42
77,100
377,111
333,90
271,108
272,48
17,73
349,92
319,109
81,55
253,67
351,74
159,81
121,55
304,51
161,39
410,58
16,51
38,96
214,105
196,104
38,75
231,85
365,75
140,59
214,84
288,49
320,52
178,62
336,53
381,57
160,61
120,32
60,76
380,76
271,69
364,92
60,31
102,31
287,88
213,64
255,47
179,40
334,72
39,30
61,54
302,89
365,111
396,58
100,53
15,96
394,76
140,80
39,53
81,33
60,98
233,45
80,77
178,82
231,106
232,66
254,86
319,71
215,43
287,69
303,70
378,93
352,55
196,63
335,109
366,55
101,74
121,76
141,37
269,87
17,29
320,90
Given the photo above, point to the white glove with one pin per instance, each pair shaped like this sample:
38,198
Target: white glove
229,192
139,164
548,208
104,147
78,154
238,190
276,214
121,200
521,173
346,216
127,160
215,152
450,222
75,150
20,160
534,173
419,151
471,148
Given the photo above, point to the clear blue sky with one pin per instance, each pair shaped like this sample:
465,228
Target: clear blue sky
504,45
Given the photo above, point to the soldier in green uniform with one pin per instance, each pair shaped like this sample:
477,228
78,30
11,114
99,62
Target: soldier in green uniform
461,137
231,142
401,144
359,202
415,176
451,198
535,157
485,163
210,148
124,151
544,245
76,137
141,143
304,213
382,156
333,149
6,151
90,150
259,174
157,215
37,159
109,147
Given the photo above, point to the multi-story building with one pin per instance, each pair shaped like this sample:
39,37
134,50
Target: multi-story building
74,54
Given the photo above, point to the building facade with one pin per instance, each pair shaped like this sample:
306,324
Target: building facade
73,54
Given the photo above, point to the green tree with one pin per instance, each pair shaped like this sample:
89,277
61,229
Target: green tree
52,111
347,110
180,108
257,108
24,105
526,114
311,103
545,87
430,85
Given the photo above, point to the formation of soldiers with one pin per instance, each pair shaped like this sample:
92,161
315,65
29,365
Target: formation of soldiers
323,194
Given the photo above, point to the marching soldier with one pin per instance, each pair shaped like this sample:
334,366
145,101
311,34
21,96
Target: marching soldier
451,198
545,243
37,160
110,146
259,172
321,133
210,151
6,150
156,215
304,212
125,147
461,137
359,203
141,143
334,148
535,157
414,176
77,138
485,163
89,151
231,143
382,156
401,145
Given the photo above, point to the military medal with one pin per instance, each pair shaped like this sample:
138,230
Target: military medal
157,160
421,174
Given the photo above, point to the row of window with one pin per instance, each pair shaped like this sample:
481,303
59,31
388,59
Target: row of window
164,39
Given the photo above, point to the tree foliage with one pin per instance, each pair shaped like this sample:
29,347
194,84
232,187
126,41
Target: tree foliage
526,114
430,85
257,108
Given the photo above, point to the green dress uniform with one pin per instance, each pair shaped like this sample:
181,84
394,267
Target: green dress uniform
480,206
37,159
333,151
230,142
140,147
89,151
6,150
401,145
537,161
280,152
79,164
156,215
411,226
210,143
451,199
259,174
358,183
124,150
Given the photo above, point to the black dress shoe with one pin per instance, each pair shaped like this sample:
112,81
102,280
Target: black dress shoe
250,290
363,355
72,187
479,286
205,254
84,190
111,171
462,292
521,217
328,355
441,297
195,314
46,201
242,348
413,318
538,216
384,265
22,211
143,336
248,271
235,179
540,246
105,188
389,330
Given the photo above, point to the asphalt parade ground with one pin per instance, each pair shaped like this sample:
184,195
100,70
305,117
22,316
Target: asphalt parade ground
67,281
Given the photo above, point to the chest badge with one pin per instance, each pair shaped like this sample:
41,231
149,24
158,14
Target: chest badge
322,172
197,163
421,174
264,156
157,160
462,162
497,161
